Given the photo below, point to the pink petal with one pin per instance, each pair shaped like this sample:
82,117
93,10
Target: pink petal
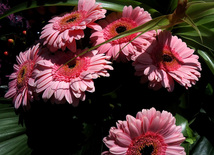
127,11
123,140
118,150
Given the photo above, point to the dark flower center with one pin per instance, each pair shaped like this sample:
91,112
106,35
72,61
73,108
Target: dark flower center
22,73
71,70
167,58
121,29
21,76
149,143
71,19
147,150
71,64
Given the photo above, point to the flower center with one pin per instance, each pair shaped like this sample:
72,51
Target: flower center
117,27
147,150
69,20
71,70
167,59
23,75
147,144
121,29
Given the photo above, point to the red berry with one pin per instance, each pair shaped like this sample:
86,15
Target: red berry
24,32
10,41
6,53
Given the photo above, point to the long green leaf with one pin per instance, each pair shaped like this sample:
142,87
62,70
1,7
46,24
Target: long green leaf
203,147
114,5
15,146
189,35
154,24
13,138
208,59
206,17
33,4
187,132
181,121
189,21
117,5
199,10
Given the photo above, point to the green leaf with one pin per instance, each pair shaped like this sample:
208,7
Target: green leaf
181,121
199,9
209,89
13,139
34,3
117,5
167,7
186,147
189,21
205,18
190,140
114,5
200,0
203,21
189,35
154,24
202,147
186,130
208,58
15,146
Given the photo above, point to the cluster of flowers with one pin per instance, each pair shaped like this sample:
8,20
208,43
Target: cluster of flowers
60,72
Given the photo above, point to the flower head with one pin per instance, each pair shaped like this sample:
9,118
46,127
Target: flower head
151,132
62,32
166,59
23,81
116,23
63,82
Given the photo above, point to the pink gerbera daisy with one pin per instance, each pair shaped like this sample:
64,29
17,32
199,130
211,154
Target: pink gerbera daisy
151,132
63,31
116,23
166,59
61,83
23,81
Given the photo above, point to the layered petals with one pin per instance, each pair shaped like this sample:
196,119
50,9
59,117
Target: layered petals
65,76
151,131
166,60
125,48
22,84
62,32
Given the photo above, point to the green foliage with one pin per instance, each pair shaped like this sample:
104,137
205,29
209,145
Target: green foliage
114,5
208,58
13,138
202,146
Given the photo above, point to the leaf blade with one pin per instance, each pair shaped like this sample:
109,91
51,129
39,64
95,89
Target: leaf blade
208,59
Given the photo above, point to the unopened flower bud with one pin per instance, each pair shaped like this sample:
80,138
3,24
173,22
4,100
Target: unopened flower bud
11,41
24,32
179,13
6,53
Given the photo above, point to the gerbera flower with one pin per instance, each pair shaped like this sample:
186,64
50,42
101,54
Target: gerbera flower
62,32
151,132
68,83
23,81
116,23
166,59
